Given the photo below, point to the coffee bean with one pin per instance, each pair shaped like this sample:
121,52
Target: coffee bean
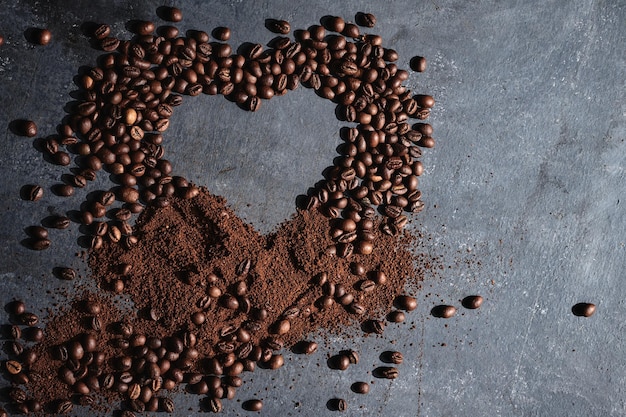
380,278
366,285
396,316
443,311
584,309
472,302
278,26
41,36
166,405
356,308
339,404
229,302
198,318
392,357
281,327
101,31
33,334
341,362
309,348
40,244
13,367
365,19
67,274
171,14
32,192
63,190
221,33
387,372
28,319
17,395
375,326
252,405
37,232
275,361
405,302
360,387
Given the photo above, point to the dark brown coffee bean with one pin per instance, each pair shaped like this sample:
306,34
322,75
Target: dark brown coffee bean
41,36
67,274
275,361
472,302
63,190
392,357
281,327
221,33
33,334
102,31
109,44
17,395
278,26
367,285
341,362
367,20
13,367
171,14
387,372
443,311
29,319
405,302
584,309
252,405
360,387
356,308
229,302
32,192
340,404
40,244
396,316
214,405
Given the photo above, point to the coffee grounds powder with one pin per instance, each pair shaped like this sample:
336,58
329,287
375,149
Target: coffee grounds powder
195,244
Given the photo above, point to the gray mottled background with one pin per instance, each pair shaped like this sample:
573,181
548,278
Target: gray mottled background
524,193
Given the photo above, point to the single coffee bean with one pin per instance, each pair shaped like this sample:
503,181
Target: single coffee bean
278,26
356,308
102,31
309,348
17,395
32,192
26,128
387,372
67,274
352,356
367,20
37,232
166,405
13,367
443,311
472,302
60,222
392,357
33,334
360,387
405,302
252,405
221,33
16,307
171,14
341,362
396,316
40,244
340,404
367,285
14,332
214,405
42,36
418,64
275,361
29,319
63,190
584,309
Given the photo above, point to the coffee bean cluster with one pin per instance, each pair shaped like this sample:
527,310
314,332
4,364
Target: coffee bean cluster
117,125
128,99
20,339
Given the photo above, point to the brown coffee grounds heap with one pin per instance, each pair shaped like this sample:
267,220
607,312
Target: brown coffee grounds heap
189,248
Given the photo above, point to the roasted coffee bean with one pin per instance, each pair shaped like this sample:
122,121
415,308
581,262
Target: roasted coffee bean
339,404
41,36
60,222
40,244
472,302
387,372
102,31
26,128
67,274
37,232
17,395
63,190
443,311
28,319
221,33
13,367
14,332
16,307
405,302
244,267
278,26
584,309
356,308
360,387
229,302
352,356
32,192
365,19
171,14
341,362
33,334
282,327
396,316
166,405
275,361
380,278
252,405
367,285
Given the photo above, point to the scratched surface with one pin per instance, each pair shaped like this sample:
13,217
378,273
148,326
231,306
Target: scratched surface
524,193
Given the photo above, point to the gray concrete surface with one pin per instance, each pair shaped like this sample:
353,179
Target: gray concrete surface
524,193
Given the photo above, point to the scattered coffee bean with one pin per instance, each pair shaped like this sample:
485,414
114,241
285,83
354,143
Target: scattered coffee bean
392,357
252,405
367,20
278,26
16,307
472,302
396,316
405,302
29,319
418,64
221,33
584,309
386,372
32,192
13,367
360,387
443,311
41,36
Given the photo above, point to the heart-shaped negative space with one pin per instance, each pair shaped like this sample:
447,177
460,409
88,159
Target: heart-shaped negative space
212,297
